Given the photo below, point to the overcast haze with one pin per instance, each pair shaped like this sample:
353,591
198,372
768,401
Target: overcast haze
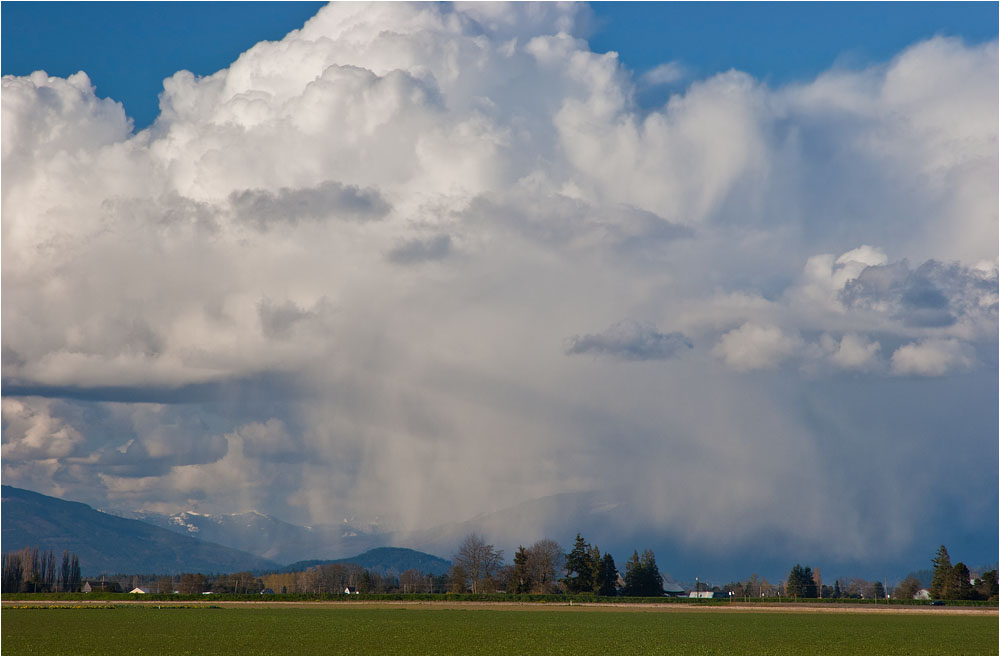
425,262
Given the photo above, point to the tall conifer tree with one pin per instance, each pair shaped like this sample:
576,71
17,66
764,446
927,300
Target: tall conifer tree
942,572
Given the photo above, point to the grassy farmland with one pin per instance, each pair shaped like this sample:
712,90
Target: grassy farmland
136,630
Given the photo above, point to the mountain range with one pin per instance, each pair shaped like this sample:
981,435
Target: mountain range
191,541
266,536
109,544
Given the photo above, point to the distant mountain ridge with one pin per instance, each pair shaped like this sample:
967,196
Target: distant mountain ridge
385,561
614,519
111,544
266,536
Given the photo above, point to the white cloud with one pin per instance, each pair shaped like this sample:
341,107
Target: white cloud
33,433
855,352
754,347
255,254
932,357
666,73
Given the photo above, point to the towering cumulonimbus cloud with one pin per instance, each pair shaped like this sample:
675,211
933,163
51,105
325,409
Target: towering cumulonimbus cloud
364,267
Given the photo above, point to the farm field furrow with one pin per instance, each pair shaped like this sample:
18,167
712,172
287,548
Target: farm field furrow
142,630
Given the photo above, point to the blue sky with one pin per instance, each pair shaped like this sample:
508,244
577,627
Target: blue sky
128,48
427,262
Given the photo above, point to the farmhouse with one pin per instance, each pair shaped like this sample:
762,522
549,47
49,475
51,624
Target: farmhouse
707,594
140,590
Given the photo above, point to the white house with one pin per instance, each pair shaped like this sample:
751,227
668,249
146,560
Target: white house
707,594
139,590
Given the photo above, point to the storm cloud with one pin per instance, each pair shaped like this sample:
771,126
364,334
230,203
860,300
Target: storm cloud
380,267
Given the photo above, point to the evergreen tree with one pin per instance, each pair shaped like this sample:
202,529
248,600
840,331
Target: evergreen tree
942,572
642,576
522,582
579,568
810,583
595,566
836,589
652,579
633,568
800,582
959,586
878,591
607,576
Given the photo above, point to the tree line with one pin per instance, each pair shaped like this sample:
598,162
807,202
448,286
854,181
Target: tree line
478,567
33,571
543,568
949,582
956,582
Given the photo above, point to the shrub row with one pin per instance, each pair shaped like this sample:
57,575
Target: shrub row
460,597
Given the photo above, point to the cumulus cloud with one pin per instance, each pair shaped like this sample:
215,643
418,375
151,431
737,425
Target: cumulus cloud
41,106
32,433
932,295
630,340
854,352
253,254
754,347
932,358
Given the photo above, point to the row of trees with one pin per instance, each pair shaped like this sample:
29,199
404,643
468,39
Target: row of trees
33,571
956,582
950,582
478,567
330,578
589,572
336,578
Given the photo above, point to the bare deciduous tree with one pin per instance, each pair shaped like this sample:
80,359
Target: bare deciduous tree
478,562
545,561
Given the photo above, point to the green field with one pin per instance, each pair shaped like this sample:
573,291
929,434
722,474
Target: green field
331,630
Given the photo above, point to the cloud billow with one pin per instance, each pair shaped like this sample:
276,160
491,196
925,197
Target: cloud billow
932,295
346,266
630,340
